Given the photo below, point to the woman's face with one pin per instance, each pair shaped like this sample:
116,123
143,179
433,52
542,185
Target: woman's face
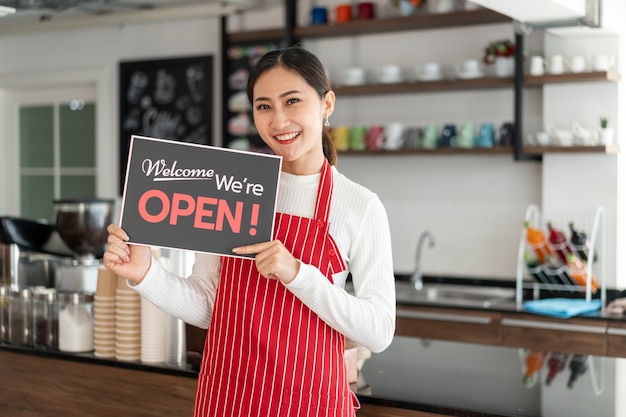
288,114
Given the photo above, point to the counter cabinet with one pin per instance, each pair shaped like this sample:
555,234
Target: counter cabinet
582,335
34,385
616,339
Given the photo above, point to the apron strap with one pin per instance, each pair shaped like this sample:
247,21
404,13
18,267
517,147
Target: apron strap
324,192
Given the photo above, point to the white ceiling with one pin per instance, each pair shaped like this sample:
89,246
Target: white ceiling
42,15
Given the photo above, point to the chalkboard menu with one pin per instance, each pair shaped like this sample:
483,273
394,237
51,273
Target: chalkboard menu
238,127
165,99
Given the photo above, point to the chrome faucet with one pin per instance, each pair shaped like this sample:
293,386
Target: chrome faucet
416,278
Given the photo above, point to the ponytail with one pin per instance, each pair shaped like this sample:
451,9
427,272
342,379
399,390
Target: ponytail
330,152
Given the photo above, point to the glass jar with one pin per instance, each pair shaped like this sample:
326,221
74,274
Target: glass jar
45,318
75,321
20,322
4,306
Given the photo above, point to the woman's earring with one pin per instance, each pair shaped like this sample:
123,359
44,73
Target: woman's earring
326,121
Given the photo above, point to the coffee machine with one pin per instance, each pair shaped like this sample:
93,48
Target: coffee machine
81,224
29,253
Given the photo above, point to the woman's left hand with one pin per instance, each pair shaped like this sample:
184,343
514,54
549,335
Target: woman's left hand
273,260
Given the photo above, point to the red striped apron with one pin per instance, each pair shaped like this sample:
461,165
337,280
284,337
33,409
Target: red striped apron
266,353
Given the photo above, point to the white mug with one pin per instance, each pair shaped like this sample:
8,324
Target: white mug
471,66
563,137
539,139
584,135
389,74
445,6
537,65
557,64
354,76
430,68
393,136
577,64
602,62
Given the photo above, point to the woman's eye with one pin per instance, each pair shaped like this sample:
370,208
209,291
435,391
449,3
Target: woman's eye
292,101
262,107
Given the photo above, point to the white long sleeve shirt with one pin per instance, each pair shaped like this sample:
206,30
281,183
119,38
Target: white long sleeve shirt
359,225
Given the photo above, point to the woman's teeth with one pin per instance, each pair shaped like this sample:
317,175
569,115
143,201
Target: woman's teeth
288,136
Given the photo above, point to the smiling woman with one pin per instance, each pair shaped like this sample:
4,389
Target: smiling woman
279,308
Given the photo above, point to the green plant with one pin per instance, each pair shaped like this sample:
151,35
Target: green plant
604,122
500,48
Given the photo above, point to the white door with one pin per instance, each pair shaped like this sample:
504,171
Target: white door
51,147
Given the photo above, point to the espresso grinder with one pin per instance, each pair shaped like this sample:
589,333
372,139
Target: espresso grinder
82,224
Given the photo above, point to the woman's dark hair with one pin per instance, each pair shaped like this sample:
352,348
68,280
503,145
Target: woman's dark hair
309,67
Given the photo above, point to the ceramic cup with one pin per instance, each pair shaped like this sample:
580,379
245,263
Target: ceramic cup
393,136
557,64
563,137
577,64
413,137
319,16
357,138
466,136
537,65
507,134
430,137
602,62
343,13
584,135
365,10
428,70
341,137
374,137
470,66
353,76
389,74
447,134
486,136
539,139
445,6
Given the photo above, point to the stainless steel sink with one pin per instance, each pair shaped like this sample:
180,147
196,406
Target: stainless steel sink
452,294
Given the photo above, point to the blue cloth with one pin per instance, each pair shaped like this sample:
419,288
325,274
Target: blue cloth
561,307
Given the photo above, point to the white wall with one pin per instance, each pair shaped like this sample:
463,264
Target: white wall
474,205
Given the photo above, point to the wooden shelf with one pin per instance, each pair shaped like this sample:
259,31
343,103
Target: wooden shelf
540,150
600,76
425,86
419,21
498,150
473,84
256,36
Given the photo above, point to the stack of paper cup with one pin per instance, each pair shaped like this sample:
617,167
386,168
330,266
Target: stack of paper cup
104,314
153,328
127,322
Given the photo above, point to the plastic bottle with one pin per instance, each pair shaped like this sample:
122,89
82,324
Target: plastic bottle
556,364
537,240
578,239
578,271
534,362
577,367
558,240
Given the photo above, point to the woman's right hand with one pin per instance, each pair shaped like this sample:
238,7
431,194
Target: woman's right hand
128,261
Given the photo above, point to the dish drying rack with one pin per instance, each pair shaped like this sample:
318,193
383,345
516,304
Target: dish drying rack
596,241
